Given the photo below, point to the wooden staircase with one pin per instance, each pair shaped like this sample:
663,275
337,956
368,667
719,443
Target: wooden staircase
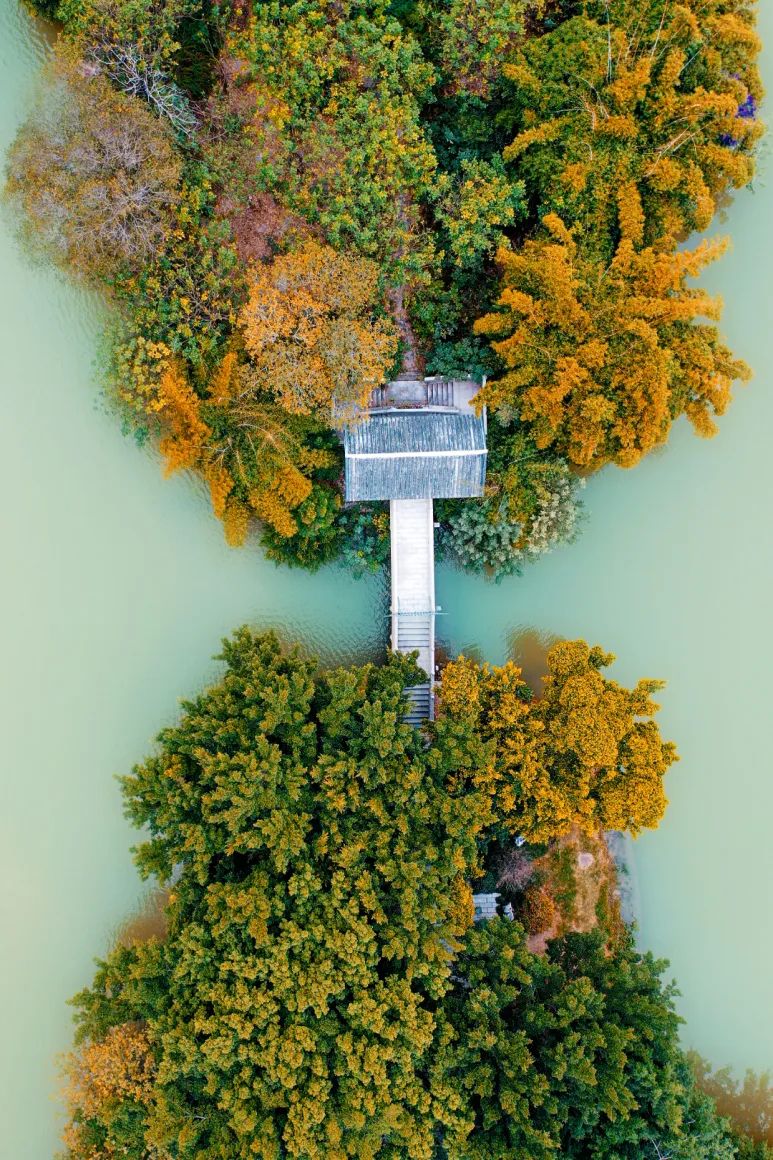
420,706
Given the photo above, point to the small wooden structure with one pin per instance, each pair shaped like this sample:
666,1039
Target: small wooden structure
486,907
415,454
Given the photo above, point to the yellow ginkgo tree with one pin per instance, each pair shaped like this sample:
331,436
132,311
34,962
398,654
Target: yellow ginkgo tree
255,458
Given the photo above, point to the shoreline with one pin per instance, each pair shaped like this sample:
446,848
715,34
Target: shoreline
620,846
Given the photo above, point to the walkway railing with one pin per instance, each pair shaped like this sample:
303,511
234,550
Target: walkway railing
413,594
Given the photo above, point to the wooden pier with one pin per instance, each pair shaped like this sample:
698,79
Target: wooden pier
413,595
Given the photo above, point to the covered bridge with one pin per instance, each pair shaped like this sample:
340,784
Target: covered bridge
421,440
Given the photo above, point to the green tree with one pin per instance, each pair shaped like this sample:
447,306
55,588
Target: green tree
315,848
531,506
572,1055
471,39
748,1149
161,50
365,531
475,206
331,94
480,536
319,991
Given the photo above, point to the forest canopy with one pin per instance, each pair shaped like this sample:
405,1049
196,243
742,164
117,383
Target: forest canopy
320,990
504,188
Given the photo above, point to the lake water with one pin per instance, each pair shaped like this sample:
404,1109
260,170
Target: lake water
117,587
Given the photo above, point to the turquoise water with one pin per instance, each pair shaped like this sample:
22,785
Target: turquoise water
117,588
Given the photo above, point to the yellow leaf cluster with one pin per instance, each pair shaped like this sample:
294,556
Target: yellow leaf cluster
179,409
224,383
461,913
220,487
100,1078
120,1066
585,751
602,357
310,328
236,522
631,213
139,367
667,105
269,508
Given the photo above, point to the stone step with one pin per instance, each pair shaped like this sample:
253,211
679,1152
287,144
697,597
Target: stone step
419,702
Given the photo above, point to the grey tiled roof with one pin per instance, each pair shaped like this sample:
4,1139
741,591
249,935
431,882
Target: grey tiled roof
415,455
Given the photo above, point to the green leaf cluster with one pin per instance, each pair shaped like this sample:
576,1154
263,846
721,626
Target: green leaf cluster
313,843
342,88
574,1054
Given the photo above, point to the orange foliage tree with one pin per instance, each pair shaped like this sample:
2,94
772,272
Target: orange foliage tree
602,357
586,751
311,329
180,410
539,910
106,1082
253,456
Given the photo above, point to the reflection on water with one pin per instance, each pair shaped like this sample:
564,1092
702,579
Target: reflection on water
528,648
148,920
748,1101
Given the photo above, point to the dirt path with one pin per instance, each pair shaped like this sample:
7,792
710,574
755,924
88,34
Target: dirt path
581,877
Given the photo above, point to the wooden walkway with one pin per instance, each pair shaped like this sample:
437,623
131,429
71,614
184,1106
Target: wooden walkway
413,595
